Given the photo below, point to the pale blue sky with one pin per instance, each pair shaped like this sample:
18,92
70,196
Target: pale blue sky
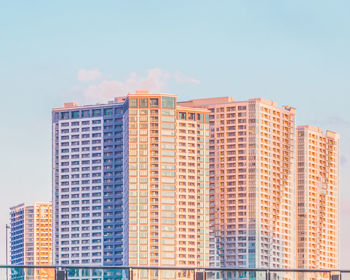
293,52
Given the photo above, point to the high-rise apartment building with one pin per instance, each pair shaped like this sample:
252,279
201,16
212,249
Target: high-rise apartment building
90,184
318,194
31,236
131,183
18,253
252,182
168,182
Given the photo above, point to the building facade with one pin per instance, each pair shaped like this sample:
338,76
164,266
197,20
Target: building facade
318,195
131,183
148,181
31,237
252,183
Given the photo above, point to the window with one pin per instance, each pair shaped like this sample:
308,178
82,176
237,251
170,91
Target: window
168,125
85,114
143,103
75,114
168,102
96,113
132,103
200,117
65,115
182,115
107,112
154,102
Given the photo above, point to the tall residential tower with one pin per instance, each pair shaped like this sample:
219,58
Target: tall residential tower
31,236
318,195
252,182
168,182
90,184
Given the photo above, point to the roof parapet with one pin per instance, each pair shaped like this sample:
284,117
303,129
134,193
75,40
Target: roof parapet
316,129
264,101
207,101
142,92
70,105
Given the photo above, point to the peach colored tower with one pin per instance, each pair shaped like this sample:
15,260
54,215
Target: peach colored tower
43,233
168,183
252,182
318,193
31,232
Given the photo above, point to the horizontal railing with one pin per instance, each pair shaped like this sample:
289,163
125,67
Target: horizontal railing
71,272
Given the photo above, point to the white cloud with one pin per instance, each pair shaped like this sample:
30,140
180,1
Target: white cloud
156,80
88,75
181,78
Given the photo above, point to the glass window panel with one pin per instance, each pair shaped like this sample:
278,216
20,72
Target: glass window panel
132,103
182,116
143,103
108,111
96,113
75,114
64,115
168,102
168,112
86,114
154,102
200,117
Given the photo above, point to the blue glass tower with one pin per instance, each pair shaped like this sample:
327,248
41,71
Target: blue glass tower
17,214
